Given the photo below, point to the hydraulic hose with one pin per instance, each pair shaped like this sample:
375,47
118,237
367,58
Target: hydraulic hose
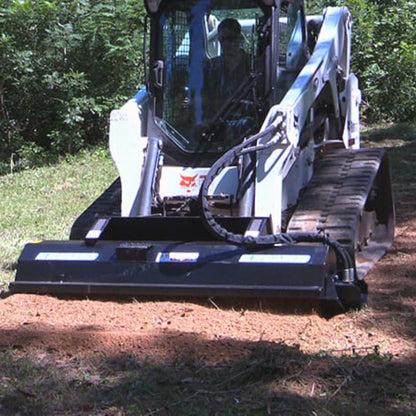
253,242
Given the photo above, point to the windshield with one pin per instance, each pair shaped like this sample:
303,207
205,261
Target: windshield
212,66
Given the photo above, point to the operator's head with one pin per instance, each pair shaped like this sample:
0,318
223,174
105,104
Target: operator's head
229,34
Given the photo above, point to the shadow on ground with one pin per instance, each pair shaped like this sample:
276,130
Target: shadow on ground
268,379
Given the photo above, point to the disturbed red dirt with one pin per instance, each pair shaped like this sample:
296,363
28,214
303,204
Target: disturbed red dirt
164,329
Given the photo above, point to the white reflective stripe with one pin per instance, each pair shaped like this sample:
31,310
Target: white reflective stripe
93,234
67,256
275,258
173,257
253,233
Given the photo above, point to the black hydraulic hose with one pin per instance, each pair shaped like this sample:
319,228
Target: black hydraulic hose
264,240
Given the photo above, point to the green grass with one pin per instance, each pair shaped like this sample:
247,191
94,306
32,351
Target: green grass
43,203
400,142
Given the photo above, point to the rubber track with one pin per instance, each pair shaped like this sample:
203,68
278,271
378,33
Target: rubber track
337,193
106,205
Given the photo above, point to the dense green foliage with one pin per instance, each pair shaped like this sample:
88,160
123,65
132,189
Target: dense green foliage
383,55
65,64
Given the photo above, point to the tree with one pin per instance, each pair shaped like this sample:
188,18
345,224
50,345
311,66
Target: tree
65,64
383,56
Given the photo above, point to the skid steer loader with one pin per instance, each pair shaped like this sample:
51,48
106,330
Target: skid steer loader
247,182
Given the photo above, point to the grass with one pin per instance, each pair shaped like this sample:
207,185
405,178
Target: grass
400,142
43,203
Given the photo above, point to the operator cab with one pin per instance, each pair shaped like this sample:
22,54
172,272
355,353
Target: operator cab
212,78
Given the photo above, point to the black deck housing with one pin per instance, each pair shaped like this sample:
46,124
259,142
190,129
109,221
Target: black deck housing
139,257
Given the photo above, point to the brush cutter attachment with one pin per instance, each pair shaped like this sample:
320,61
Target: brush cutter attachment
115,263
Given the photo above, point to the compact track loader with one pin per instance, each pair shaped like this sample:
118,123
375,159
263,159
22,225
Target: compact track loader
241,175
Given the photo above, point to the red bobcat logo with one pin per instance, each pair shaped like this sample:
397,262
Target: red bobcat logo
188,182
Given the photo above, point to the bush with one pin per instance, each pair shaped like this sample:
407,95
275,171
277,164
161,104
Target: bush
389,73
383,56
65,65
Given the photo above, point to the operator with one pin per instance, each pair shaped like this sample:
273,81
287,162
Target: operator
226,73
235,61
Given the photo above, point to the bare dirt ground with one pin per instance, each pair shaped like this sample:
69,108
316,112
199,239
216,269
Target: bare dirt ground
215,335
162,329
